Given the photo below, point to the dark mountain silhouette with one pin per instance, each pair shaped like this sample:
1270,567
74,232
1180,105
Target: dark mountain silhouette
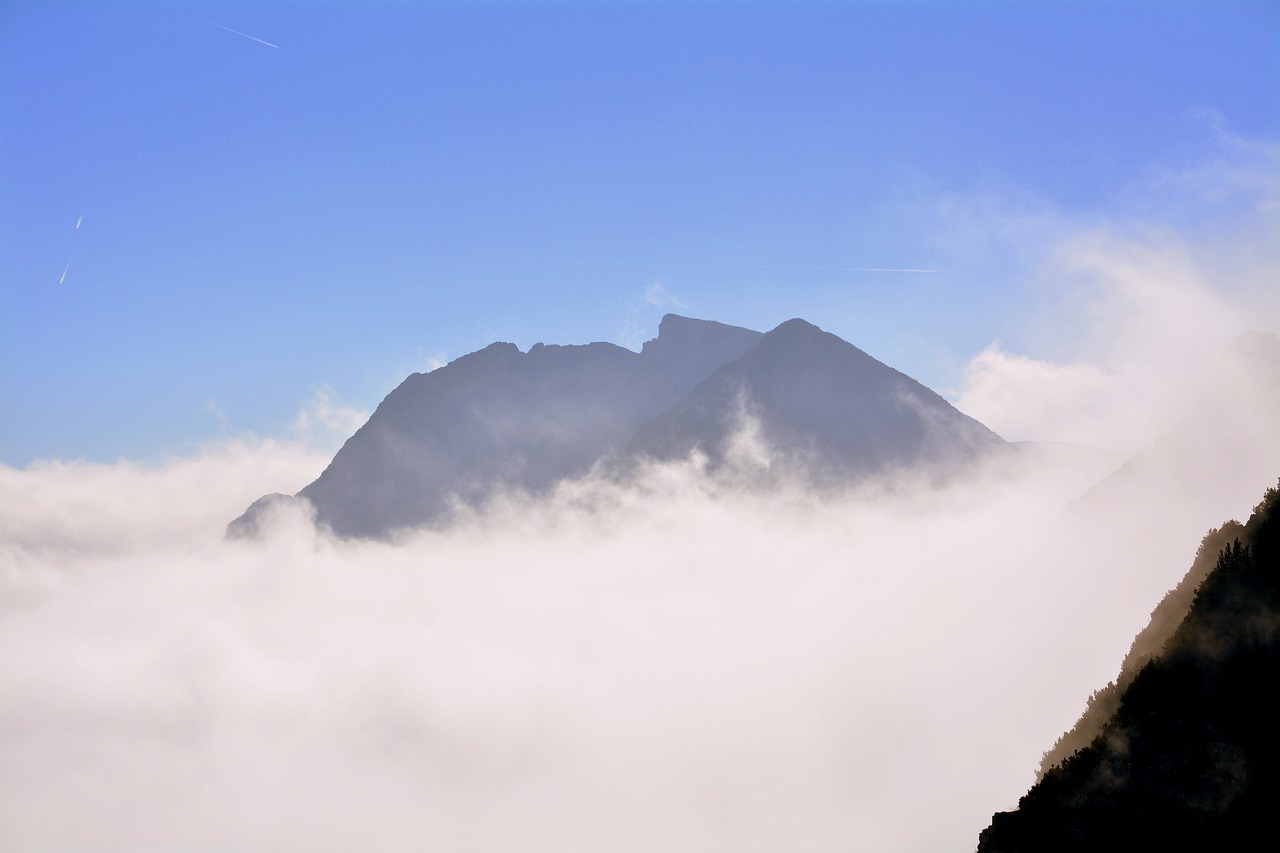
502,419
1184,752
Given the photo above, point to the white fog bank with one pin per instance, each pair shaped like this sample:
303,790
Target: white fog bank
672,664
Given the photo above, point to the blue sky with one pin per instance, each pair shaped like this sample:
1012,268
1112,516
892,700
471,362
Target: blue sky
392,185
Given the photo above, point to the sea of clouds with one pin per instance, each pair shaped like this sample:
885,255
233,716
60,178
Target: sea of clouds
667,663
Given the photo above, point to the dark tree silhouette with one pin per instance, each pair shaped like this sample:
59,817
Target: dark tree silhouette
1190,758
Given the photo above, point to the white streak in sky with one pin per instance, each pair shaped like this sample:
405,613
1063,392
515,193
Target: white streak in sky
237,32
817,269
835,269
65,269
794,267
879,269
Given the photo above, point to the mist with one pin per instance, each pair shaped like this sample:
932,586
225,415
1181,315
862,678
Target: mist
656,666
669,661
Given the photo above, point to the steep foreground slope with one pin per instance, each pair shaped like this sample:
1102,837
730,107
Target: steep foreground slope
1188,757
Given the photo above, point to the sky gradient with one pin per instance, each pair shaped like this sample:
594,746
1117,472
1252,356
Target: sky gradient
385,187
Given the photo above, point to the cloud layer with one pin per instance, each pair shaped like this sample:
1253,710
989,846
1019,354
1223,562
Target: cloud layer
670,663
679,672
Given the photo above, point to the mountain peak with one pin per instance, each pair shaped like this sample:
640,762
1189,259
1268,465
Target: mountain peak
682,334
795,326
797,336
834,411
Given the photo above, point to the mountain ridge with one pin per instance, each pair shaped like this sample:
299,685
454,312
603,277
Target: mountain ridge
829,404
500,419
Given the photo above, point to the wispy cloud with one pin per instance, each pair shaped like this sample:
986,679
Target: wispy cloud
326,421
1137,308
215,408
639,322
657,295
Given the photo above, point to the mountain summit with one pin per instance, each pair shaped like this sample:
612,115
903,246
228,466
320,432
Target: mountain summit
831,411
500,419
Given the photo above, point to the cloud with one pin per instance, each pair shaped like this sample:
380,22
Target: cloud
63,518
1021,397
215,408
639,323
657,296
667,663
326,422
1230,174
1149,332
1137,314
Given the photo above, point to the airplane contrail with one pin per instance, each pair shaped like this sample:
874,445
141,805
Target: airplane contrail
62,278
794,267
883,269
859,269
817,269
837,269
237,32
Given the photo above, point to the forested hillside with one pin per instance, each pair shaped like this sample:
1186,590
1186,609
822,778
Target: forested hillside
1187,753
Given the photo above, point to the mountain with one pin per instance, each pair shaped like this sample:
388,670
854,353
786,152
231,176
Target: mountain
501,419
1183,753
833,412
